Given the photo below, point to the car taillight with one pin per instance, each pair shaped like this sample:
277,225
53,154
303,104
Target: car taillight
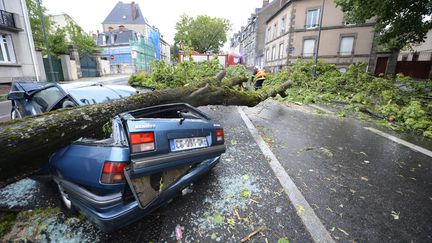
142,142
219,135
113,172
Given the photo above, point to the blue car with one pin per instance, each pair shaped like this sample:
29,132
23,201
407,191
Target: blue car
151,156
31,98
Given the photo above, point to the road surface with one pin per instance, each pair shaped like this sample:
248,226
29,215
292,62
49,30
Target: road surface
292,173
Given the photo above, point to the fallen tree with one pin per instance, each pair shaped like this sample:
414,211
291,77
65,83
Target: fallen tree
25,144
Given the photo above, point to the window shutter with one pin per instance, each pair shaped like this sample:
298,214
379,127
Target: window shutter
346,45
308,48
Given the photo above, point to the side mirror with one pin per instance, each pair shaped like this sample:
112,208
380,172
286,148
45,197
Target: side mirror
16,95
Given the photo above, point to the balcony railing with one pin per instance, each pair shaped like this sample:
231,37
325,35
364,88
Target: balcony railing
7,19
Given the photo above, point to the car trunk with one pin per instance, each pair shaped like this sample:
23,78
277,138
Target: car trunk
183,137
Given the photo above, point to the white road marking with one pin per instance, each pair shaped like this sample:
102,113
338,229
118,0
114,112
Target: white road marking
6,101
312,223
400,141
321,109
4,116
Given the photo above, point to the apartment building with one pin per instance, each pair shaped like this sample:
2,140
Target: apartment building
17,54
292,34
248,40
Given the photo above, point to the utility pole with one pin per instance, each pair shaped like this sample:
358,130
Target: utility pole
53,79
321,14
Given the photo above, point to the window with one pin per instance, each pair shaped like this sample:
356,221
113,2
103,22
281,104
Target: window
282,26
273,57
312,18
346,46
46,98
275,31
268,34
308,47
1,5
7,54
267,55
281,50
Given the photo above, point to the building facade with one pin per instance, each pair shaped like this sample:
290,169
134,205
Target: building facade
127,14
18,59
165,50
248,42
292,34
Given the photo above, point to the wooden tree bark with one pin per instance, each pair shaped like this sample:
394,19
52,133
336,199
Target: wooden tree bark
25,144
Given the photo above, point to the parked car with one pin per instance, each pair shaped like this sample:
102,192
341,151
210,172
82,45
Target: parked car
152,155
31,98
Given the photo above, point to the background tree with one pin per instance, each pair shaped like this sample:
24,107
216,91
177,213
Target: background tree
36,23
57,42
80,39
203,34
399,23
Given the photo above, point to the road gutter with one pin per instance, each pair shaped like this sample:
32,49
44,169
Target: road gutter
310,220
400,141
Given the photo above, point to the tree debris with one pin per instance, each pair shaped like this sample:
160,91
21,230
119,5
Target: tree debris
249,236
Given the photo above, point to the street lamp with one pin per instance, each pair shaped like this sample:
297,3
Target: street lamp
318,41
53,79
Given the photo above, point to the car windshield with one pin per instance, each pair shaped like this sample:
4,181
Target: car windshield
93,95
46,98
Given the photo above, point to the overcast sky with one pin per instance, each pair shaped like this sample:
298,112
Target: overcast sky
163,14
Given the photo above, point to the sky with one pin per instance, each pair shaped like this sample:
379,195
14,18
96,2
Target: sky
163,14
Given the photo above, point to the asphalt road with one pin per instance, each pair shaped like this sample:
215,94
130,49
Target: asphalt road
361,186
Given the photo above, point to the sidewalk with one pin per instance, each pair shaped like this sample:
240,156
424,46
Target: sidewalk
104,79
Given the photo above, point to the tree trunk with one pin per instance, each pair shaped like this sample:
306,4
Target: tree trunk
25,144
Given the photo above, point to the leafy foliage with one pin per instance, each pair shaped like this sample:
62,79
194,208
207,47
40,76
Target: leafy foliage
203,34
80,39
403,101
57,42
399,22
237,71
167,76
56,36
36,23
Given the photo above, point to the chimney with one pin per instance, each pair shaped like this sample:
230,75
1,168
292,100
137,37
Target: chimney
265,3
133,11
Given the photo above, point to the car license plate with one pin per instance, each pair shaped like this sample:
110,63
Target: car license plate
188,143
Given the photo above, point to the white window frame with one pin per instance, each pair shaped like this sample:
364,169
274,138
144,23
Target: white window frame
268,34
346,52
273,53
312,25
267,58
275,30
282,26
281,50
308,54
7,49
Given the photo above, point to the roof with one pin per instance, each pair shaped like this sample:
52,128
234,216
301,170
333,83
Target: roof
119,38
284,4
122,14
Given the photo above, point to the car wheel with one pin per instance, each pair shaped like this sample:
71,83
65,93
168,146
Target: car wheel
15,114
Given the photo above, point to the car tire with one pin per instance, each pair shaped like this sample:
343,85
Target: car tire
15,113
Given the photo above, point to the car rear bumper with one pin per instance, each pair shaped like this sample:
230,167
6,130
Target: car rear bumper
116,216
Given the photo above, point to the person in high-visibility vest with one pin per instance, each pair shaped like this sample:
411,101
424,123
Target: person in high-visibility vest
259,78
